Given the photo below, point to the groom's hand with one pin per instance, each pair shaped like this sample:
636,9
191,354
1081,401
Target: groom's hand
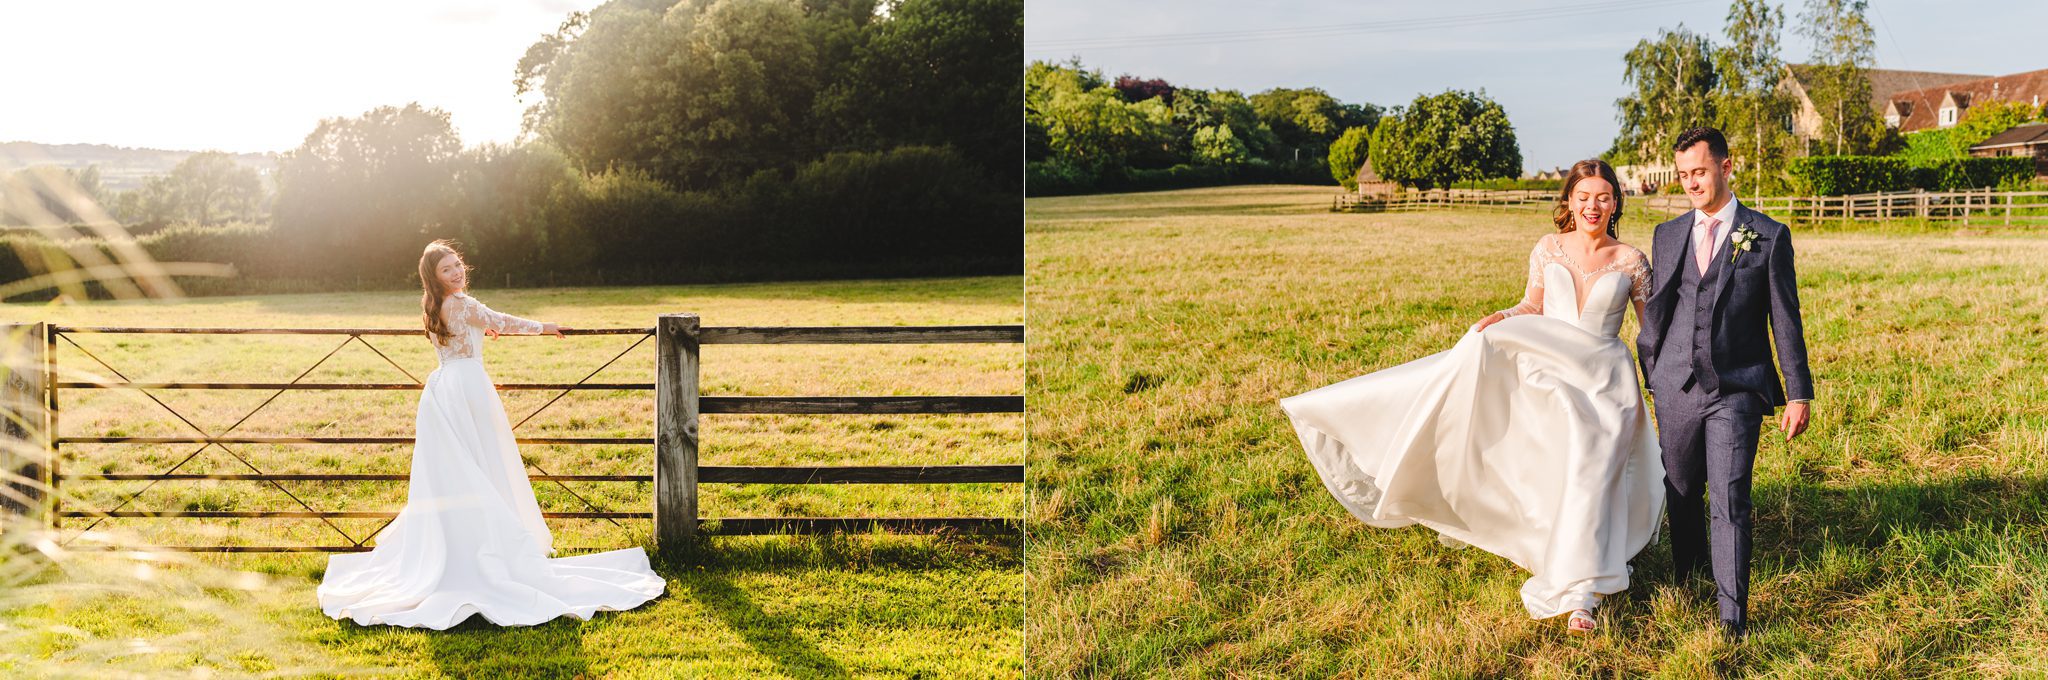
1794,420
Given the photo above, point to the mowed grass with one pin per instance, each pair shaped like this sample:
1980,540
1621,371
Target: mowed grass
1178,529
907,606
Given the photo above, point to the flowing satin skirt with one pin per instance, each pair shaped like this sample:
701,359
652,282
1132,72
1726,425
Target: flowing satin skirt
471,539
1529,440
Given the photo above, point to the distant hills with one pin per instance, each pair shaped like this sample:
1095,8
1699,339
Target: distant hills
121,168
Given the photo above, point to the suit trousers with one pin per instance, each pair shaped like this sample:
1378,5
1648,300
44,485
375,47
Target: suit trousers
1709,442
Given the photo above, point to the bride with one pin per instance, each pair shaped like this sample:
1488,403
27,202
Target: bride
1529,437
470,539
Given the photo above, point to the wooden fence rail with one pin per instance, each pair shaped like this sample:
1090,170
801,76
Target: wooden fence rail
31,406
1970,208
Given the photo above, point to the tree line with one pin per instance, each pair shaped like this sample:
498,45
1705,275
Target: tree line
669,141
1087,133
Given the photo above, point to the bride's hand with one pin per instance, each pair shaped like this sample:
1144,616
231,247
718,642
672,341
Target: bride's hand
1490,319
552,329
491,333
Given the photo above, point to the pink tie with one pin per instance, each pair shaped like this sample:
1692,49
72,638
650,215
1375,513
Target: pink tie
1703,252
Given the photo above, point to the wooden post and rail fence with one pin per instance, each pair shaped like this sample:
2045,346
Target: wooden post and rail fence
1983,207
31,441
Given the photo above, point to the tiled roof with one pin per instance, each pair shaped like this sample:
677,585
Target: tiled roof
1925,104
1887,82
2024,134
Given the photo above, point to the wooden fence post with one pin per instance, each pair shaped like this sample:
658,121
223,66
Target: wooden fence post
24,423
675,430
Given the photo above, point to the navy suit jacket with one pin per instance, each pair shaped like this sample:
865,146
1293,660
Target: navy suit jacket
1755,306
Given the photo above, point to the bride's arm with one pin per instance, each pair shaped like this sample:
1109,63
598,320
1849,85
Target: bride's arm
1532,294
489,319
1639,294
1638,270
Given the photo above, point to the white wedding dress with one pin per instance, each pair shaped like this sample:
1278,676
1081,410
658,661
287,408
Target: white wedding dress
1529,439
471,539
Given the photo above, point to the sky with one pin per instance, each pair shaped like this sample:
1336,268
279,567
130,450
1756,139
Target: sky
1555,66
246,76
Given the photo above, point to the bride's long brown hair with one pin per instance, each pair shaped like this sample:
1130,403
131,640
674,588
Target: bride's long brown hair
435,291
1591,167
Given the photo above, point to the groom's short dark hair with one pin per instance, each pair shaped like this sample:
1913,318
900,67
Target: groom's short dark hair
1716,142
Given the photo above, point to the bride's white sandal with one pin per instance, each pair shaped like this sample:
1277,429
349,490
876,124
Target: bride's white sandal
1581,622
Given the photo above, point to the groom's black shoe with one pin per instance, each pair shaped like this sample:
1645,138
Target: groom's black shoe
1733,631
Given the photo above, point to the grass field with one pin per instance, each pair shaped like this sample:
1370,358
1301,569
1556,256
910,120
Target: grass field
1178,529
900,606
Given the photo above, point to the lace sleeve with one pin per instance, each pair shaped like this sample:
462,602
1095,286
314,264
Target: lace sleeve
1532,292
476,314
1638,277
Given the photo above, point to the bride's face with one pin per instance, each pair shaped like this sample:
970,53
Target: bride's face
1592,204
452,273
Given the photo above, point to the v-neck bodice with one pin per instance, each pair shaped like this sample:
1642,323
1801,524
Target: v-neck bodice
1591,300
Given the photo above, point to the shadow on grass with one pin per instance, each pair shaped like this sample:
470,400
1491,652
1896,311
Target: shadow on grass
1798,524
841,551
771,636
702,568
1804,520
1822,543
477,648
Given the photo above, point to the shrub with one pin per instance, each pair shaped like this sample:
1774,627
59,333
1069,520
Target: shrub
1058,178
1957,174
1844,175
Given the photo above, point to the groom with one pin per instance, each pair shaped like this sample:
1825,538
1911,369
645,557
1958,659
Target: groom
1723,294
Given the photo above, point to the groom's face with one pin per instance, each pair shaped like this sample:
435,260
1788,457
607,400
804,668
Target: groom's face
1704,177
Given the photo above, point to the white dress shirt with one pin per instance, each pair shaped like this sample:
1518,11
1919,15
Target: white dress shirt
1727,217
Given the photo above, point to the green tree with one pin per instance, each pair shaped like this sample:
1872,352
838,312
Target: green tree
1844,48
935,73
152,204
1444,138
368,191
210,184
1348,154
1098,129
506,207
1087,122
1672,81
1309,119
1986,119
702,94
1217,145
1749,106
698,94
1041,80
1195,110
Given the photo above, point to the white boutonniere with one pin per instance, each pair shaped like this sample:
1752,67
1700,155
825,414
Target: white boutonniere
1742,241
